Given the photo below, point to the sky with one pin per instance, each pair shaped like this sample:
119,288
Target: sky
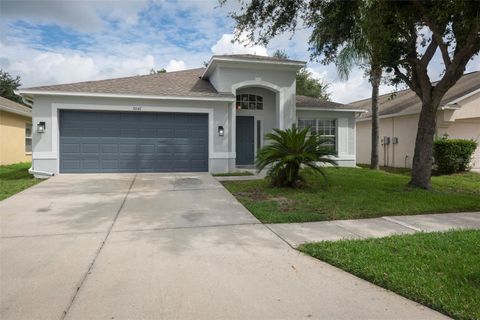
63,41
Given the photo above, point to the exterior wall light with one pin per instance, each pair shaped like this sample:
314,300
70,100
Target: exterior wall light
221,132
41,127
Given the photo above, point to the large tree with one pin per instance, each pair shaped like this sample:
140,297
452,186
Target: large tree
8,84
307,85
408,34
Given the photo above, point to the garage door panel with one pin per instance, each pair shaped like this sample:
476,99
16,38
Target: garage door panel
109,147
90,148
71,147
133,142
164,133
73,164
110,132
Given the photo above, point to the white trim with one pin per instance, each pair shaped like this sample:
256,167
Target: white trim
222,155
331,109
55,125
213,59
344,157
128,96
468,95
255,132
19,112
451,106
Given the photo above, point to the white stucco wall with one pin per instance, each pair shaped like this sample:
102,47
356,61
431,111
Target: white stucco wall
46,145
227,78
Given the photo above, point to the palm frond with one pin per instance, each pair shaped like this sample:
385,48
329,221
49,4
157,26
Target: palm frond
288,151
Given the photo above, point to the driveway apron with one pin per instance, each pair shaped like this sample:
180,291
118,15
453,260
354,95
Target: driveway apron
165,246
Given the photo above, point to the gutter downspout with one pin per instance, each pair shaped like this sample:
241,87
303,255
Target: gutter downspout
40,174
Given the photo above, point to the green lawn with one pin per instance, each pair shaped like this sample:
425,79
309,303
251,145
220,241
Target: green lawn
355,193
439,270
15,178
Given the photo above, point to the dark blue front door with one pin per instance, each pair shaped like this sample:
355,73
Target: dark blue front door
245,140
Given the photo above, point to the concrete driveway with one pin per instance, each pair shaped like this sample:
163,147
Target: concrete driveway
164,246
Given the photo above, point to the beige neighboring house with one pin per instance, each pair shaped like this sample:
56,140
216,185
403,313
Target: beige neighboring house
458,116
15,132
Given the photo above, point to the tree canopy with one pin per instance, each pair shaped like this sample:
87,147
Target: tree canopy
153,71
307,85
8,84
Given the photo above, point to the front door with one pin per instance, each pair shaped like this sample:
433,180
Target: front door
245,140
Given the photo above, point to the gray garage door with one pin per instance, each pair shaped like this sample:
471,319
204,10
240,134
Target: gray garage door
133,142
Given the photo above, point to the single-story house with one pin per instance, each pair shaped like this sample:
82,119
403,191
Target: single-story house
15,132
209,119
457,117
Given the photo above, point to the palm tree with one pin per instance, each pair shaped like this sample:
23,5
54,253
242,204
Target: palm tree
288,151
359,52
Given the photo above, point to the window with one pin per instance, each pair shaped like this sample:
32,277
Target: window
249,102
28,137
326,129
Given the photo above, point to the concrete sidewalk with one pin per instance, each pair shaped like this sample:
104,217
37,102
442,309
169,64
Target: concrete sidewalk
297,233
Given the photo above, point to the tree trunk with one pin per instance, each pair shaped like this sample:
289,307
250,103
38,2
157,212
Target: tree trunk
423,156
376,75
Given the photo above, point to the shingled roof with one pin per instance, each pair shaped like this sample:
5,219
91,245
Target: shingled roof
407,102
186,83
309,102
13,107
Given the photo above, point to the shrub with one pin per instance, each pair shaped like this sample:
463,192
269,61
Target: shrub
453,155
288,151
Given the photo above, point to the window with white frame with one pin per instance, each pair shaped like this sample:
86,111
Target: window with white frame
325,128
249,102
28,137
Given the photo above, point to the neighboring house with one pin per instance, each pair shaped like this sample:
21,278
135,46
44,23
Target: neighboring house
15,132
458,117
208,119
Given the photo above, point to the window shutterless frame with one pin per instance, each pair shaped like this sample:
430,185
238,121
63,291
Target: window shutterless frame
325,128
249,102
28,137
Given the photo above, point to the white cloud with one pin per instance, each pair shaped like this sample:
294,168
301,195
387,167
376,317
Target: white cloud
176,65
357,87
319,75
37,67
227,45
85,16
